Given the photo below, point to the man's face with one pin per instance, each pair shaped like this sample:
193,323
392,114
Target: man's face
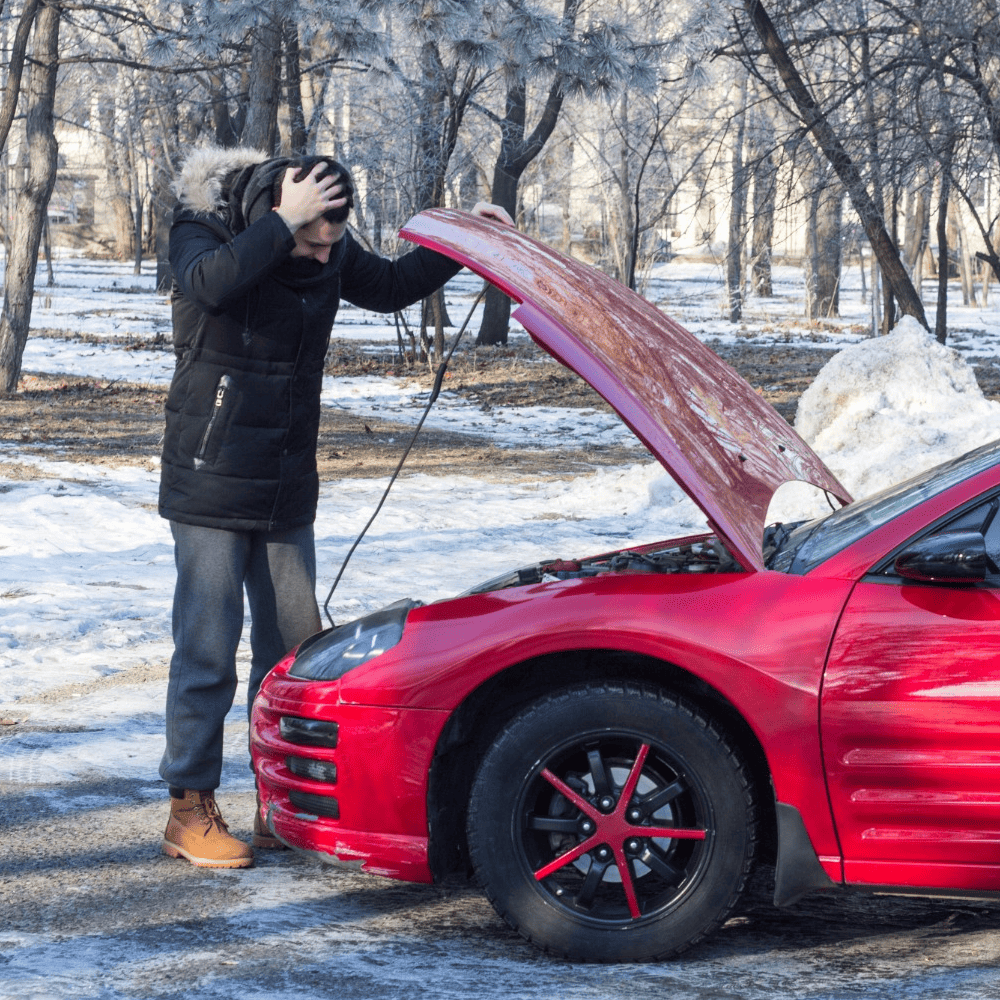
315,241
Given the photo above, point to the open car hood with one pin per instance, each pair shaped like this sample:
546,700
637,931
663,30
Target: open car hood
722,443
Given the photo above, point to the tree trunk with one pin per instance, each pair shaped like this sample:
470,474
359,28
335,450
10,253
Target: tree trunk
162,197
260,129
966,259
119,195
628,211
298,137
737,237
917,231
496,305
874,225
50,277
829,250
765,178
565,196
811,269
138,210
443,110
516,153
15,66
944,193
226,133
33,197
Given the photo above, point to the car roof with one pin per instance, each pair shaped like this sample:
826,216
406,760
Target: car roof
722,442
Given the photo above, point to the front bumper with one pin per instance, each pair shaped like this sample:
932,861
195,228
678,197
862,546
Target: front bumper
344,783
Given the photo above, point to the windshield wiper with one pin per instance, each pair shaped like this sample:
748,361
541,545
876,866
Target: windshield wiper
775,538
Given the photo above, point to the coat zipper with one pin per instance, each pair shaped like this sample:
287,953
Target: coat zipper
220,395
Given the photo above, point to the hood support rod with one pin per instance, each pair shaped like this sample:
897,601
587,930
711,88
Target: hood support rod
435,391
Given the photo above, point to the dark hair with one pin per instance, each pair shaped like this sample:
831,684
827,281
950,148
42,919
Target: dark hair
303,165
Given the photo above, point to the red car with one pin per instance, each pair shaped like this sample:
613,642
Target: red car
612,743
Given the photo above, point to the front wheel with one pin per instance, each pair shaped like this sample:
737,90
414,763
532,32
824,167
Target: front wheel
612,824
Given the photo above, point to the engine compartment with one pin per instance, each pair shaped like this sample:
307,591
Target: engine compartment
702,554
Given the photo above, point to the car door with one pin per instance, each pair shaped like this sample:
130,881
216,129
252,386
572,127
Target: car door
910,722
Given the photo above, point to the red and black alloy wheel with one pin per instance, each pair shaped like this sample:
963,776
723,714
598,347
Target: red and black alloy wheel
612,824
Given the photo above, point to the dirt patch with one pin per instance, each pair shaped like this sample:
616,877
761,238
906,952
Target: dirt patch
119,423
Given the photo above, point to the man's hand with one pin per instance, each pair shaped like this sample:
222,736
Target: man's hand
487,211
305,200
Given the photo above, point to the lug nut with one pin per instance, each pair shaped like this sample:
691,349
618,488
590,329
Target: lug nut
634,814
602,854
633,845
606,803
587,826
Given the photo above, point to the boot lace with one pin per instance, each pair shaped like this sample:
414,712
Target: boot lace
206,808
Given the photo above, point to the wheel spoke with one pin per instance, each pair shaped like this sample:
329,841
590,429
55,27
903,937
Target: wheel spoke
553,824
592,882
565,859
612,825
599,773
655,801
655,861
578,800
628,883
633,777
678,833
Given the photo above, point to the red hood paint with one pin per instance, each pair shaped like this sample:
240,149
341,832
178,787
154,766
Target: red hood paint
723,444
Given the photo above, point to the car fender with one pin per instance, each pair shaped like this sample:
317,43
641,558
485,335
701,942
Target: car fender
719,628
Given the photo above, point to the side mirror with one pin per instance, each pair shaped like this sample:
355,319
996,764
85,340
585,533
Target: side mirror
951,557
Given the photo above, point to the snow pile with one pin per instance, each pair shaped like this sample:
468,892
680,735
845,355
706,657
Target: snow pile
885,409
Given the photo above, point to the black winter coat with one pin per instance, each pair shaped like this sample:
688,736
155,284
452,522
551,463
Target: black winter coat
251,330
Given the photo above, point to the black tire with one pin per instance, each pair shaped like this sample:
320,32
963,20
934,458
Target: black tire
559,849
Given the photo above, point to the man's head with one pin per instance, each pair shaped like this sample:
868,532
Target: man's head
317,239
302,166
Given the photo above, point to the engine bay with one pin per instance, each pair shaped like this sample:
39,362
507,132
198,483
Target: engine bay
702,554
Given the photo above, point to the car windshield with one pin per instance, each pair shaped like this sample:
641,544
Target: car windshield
798,548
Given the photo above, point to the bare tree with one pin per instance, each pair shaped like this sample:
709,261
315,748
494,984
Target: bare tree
649,150
33,196
764,174
583,57
15,67
737,209
827,139
260,129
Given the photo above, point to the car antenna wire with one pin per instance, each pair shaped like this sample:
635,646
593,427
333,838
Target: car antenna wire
435,391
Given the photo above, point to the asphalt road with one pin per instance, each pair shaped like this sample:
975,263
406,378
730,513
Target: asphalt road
90,908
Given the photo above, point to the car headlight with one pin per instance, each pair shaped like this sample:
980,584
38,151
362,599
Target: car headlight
331,654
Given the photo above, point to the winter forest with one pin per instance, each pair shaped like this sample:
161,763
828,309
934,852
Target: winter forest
810,187
622,130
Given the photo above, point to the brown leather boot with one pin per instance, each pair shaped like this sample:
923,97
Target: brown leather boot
262,836
198,832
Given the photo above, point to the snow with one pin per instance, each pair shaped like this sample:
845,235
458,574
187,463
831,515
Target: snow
86,565
888,408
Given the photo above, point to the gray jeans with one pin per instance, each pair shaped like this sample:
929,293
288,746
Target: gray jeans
278,570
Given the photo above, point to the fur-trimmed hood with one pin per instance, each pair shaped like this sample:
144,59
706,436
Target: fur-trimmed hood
199,186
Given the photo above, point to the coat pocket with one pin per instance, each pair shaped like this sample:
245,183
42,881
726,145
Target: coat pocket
215,420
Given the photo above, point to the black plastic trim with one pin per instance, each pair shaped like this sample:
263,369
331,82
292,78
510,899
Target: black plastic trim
309,732
313,770
798,870
317,805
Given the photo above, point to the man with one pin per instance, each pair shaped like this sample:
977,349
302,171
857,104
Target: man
261,257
